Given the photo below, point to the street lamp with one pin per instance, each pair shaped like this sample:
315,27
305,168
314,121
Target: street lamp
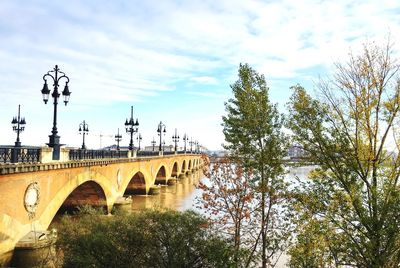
54,139
153,142
139,138
18,124
83,130
185,139
161,130
175,138
118,138
191,143
131,127
196,147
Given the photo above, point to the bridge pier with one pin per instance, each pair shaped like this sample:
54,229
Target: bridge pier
154,190
172,181
122,200
36,249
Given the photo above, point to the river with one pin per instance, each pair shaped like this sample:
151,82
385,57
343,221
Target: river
181,196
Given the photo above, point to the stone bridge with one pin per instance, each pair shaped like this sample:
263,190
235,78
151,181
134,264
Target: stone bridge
31,194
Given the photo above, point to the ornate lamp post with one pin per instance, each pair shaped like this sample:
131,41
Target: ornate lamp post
139,138
83,130
118,138
153,142
191,144
175,138
185,139
161,130
56,75
18,124
196,150
131,127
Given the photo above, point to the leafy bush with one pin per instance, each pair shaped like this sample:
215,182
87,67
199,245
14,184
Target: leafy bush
146,239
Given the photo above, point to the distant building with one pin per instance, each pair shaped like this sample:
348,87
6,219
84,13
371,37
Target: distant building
217,153
114,147
296,152
166,148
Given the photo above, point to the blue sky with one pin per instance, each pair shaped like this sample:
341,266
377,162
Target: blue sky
172,60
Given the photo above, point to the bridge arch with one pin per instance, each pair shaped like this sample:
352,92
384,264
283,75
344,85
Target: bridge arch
97,185
161,175
183,169
87,193
190,165
175,170
136,185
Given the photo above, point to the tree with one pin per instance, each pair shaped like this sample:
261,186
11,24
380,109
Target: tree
145,239
351,132
312,249
252,129
228,200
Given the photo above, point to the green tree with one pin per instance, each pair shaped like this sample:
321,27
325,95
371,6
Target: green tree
146,239
351,132
252,129
312,249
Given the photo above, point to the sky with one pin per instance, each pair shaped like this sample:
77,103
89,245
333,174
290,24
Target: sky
172,60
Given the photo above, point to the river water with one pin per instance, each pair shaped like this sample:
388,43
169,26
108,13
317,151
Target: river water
181,196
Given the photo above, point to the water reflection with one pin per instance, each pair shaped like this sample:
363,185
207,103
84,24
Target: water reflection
180,196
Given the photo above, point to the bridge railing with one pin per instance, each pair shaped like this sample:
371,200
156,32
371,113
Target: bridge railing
32,154
147,153
19,154
79,154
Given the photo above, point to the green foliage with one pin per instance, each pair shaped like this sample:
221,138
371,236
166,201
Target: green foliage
255,141
146,239
311,250
252,126
355,193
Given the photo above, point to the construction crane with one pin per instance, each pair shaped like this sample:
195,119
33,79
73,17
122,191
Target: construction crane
101,135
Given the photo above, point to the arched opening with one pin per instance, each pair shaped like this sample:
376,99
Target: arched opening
137,185
183,169
161,177
190,165
88,193
174,172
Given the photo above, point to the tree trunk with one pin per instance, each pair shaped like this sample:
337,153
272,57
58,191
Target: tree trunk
263,234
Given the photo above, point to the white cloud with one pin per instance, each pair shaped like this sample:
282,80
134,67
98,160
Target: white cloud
132,51
208,94
204,80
